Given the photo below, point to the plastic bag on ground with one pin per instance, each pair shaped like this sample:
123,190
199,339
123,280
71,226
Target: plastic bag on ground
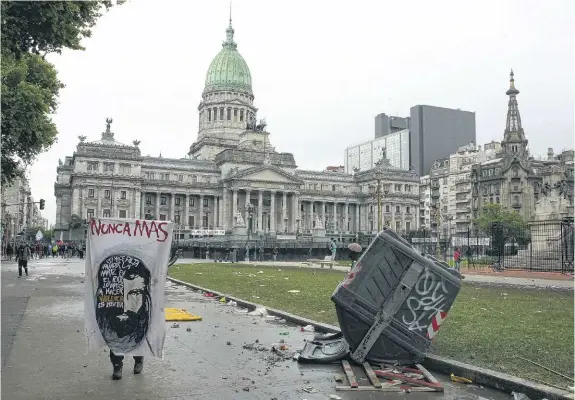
307,328
519,396
259,311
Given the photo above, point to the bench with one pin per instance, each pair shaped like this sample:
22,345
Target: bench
326,261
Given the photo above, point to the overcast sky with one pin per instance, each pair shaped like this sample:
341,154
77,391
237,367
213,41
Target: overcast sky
321,71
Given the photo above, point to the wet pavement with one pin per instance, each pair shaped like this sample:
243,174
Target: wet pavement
44,352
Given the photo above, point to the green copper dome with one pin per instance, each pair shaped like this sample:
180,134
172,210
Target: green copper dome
229,70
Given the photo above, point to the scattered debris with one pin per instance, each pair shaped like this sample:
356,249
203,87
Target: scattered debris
519,396
175,325
188,329
338,378
223,300
334,397
459,379
229,343
281,333
293,291
310,389
232,303
246,389
307,328
260,272
259,311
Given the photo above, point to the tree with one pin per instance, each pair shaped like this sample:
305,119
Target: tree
30,85
503,223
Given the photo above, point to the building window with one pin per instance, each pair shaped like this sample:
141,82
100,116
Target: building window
106,213
148,199
333,188
191,221
313,208
229,114
301,207
209,115
194,179
90,213
108,167
325,209
397,225
180,177
397,209
386,208
205,202
221,114
177,218
192,202
91,193
407,226
235,114
93,166
205,221
241,115
123,194
162,217
177,201
152,176
107,194
163,200
125,169
122,213
407,211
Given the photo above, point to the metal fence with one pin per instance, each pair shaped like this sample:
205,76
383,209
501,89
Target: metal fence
543,246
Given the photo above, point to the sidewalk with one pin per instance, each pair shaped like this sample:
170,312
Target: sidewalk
516,278
48,359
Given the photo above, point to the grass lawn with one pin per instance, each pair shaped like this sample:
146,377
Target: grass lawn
487,326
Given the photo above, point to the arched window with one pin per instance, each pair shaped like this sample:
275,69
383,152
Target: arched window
235,115
215,114
221,114
229,116
209,115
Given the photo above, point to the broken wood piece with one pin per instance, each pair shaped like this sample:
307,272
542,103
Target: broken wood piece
371,375
427,374
384,389
349,373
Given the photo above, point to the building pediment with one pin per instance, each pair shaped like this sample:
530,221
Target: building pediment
266,173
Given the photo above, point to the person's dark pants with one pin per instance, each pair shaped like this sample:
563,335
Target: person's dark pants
119,360
22,264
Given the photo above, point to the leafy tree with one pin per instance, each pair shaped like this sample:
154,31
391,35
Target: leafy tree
30,85
503,224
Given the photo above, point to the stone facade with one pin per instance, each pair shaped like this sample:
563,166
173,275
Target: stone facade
18,209
232,176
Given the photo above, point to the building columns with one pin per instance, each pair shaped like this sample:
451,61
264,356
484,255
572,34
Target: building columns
173,207
142,205
234,206
284,212
357,218
273,211
260,225
346,216
201,212
247,212
187,210
157,216
335,216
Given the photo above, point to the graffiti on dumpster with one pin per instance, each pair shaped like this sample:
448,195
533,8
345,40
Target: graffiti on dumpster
428,300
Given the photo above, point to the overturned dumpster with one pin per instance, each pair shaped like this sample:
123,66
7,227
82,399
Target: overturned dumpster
390,306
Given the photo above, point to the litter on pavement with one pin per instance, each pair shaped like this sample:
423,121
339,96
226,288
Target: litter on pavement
177,314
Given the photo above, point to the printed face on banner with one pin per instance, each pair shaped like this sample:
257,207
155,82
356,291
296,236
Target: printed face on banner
123,302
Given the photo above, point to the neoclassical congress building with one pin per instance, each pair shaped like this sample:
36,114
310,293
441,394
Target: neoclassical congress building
232,164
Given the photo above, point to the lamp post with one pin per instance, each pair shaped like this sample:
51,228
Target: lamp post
378,191
250,211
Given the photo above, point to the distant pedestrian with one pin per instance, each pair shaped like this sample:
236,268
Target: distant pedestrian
457,258
9,251
23,257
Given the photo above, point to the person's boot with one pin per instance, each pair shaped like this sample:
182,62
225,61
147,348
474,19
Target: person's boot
117,375
138,366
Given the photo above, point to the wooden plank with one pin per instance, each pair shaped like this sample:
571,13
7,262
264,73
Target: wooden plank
427,374
396,388
349,373
371,375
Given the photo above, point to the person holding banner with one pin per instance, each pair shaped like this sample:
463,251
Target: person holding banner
126,268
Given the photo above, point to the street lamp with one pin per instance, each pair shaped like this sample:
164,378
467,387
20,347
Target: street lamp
378,191
250,210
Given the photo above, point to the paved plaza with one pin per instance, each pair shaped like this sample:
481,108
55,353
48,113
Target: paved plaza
44,352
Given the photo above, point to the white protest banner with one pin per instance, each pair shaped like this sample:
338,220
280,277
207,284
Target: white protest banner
126,267
39,235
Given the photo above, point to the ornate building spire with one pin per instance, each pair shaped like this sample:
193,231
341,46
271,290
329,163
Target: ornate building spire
230,33
514,141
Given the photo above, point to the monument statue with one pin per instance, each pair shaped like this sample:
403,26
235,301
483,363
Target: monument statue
239,219
251,122
108,123
136,142
318,223
82,138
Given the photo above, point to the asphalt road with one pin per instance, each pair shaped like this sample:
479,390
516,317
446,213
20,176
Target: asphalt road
44,352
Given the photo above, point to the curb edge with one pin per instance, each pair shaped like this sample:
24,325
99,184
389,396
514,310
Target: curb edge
482,376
